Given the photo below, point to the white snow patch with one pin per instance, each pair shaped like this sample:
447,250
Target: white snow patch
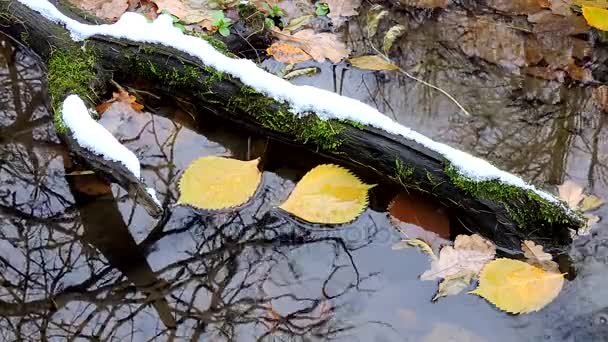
94,137
302,99
152,194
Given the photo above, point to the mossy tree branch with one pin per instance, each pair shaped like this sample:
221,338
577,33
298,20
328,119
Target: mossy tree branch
505,214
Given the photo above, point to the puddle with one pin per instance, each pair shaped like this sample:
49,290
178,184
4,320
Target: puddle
79,260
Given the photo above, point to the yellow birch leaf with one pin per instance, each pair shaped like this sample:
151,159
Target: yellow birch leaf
216,182
372,62
596,17
328,194
518,287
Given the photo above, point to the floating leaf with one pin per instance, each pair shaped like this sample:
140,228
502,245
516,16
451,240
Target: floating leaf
301,72
596,17
571,193
374,15
535,255
391,35
517,287
287,53
417,243
470,253
328,194
454,284
372,62
591,202
590,220
217,182
320,46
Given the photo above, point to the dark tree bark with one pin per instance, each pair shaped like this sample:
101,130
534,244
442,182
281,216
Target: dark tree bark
502,213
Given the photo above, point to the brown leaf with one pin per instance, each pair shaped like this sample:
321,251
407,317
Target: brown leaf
469,253
320,46
537,257
571,193
287,53
121,97
372,62
426,3
340,9
109,10
518,7
187,14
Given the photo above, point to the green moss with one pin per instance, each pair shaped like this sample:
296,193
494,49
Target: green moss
403,174
70,72
527,209
216,43
306,129
353,123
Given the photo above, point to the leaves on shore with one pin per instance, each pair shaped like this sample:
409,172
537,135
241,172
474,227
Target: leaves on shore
518,287
109,10
328,194
123,98
320,46
217,183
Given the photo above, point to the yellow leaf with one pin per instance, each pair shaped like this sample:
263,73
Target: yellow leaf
454,284
372,62
517,287
217,182
596,17
591,202
287,53
328,194
592,3
391,36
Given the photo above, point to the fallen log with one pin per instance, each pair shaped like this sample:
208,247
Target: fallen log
497,205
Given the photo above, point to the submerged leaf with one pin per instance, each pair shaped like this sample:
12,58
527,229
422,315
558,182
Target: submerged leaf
217,182
454,284
391,36
417,243
596,17
470,253
517,287
328,194
372,62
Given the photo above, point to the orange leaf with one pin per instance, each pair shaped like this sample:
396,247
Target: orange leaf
121,97
287,53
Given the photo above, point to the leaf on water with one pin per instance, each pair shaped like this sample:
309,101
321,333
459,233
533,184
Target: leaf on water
417,243
591,202
328,194
518,287
571,193
287,53
469,253
391,36
454,284
340,9
301,72
536,256
298,22
596,17
320,46
121,97
590,221
216,182
374,15
372,62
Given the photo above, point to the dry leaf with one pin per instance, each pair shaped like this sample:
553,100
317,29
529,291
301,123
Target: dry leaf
298,22
417,243
517,287
600,97
109,10
591,202
372,62
469,253
186,13
391,36
536,256
340,9
320,46
287,53
590,220
454,284
301,72
328,194
216,182
121,97
426,3
571,193
596,17
592,3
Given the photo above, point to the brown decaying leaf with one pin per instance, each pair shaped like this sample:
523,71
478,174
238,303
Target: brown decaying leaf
469,253
417,243
518,7
187,14
320,46
454,284
571,193
420,212
600,98
391,36
537,257
287,53
110,10
121,97
372,62
340,9
374,15
426,3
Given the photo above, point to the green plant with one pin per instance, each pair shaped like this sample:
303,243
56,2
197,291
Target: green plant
321,8
222,23
275,11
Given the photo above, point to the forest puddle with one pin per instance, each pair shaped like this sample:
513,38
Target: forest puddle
79,260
